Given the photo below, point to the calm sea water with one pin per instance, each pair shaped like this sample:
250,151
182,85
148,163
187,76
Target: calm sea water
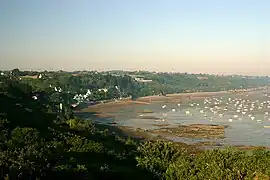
242,129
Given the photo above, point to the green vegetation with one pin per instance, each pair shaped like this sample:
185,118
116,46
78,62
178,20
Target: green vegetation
37,144
41,140
120,84
166,161
183,82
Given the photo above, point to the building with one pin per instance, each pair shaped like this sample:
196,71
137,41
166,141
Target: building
143,80
202,78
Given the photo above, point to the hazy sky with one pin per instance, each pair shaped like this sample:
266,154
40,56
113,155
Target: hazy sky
214,36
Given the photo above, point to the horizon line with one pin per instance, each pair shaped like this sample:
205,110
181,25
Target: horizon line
141,70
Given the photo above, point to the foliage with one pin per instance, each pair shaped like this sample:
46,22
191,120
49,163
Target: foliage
162,159
34,145
38,140
81,144
156,156
128,86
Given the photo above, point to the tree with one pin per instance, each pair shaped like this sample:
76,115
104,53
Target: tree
15,72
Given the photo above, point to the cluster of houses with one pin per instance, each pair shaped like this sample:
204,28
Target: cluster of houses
57,89
82,97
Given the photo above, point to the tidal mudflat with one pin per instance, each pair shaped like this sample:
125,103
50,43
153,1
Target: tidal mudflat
217,119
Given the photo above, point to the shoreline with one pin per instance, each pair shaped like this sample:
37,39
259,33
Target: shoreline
197,147
112,105
147,100
104,109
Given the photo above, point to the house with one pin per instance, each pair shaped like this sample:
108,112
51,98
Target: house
75,105
142,80
103,89
35,97
89,92
202,78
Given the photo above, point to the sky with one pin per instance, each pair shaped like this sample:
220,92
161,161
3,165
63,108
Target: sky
209,36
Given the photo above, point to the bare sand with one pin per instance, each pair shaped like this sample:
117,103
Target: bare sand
112,106
181,96
104,109
170,98
191,148
207,131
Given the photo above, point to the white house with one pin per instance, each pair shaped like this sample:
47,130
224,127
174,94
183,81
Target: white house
35,97
89,92
143,80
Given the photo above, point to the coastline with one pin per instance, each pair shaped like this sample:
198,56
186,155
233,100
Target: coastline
104,109
193,148
111,106
169,98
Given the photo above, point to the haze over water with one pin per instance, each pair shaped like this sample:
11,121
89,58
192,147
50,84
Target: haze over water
230,37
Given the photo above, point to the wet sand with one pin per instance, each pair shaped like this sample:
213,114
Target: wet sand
178,98
190,148
145,135
169,98
104,110
207,131
111,106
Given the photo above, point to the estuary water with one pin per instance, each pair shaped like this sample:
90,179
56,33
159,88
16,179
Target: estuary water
247,115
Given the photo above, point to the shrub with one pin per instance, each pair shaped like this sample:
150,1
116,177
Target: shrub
81,144
21,137
81,125
130,142
181,169
221,164
73,123
157,156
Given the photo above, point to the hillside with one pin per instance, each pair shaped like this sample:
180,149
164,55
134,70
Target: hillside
42,140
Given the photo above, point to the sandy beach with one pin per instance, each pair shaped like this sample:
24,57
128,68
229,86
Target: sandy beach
107,111
169,98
